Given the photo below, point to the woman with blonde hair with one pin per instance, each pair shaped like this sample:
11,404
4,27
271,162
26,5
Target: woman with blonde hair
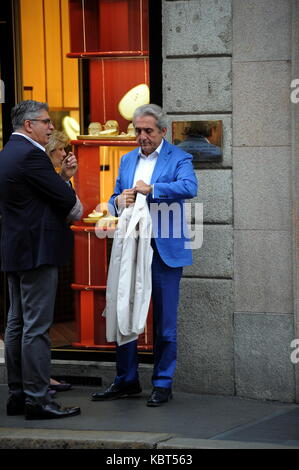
65,164
56,146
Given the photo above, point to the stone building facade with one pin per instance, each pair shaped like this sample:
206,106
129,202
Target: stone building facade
234,60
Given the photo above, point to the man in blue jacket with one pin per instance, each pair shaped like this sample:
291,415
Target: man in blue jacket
165,174
34,204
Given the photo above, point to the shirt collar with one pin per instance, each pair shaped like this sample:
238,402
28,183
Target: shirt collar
155,154
30,140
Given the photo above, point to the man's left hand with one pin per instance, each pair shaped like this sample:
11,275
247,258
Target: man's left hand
142,187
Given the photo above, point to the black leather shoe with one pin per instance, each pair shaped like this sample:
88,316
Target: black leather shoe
159,395
49,411
117,391
15,405
60,387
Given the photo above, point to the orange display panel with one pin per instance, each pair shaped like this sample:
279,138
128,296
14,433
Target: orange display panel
94,186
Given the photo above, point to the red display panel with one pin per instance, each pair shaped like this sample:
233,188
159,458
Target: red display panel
110,80
100,26
90,274
87,179
90,258
113,36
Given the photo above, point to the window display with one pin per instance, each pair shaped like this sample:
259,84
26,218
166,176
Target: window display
113,37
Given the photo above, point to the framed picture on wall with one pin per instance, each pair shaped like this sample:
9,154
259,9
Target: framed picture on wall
203,139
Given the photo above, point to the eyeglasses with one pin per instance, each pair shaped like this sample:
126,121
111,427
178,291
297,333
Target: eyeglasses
45,121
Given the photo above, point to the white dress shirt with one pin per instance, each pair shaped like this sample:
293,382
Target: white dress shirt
146,165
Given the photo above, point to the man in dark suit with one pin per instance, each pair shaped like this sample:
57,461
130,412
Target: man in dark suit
34,203
165,174
198,142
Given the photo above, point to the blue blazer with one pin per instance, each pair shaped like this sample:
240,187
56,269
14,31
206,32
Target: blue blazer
34,203
174,180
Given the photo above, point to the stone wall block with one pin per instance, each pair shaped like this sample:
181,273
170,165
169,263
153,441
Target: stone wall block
262,356
197,85
262,188
197,27
215,193
215,257
261,104
205,337
263,271
262,30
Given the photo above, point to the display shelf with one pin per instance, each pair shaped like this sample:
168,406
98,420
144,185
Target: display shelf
104,143
107,54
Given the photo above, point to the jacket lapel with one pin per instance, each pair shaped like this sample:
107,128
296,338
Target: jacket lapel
161,162
132,162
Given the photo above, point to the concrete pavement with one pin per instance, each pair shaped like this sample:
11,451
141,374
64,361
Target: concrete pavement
189,421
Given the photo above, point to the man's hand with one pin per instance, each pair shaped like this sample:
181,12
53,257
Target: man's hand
143,188
69,167
126,198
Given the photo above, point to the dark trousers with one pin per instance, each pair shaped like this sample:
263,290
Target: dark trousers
165,298
27,344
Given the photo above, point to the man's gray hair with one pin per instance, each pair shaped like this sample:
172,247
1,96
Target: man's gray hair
28,109
151,110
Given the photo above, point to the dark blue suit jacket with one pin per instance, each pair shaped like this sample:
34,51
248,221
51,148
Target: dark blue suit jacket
201,148
174,180
34,203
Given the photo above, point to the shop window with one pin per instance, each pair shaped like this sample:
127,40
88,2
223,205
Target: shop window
112,40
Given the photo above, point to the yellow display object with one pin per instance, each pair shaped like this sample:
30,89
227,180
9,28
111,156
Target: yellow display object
111,134
111,124
102,222
94,216
137,96
91,220
71,127
108,133
95,213
107,222
94,128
